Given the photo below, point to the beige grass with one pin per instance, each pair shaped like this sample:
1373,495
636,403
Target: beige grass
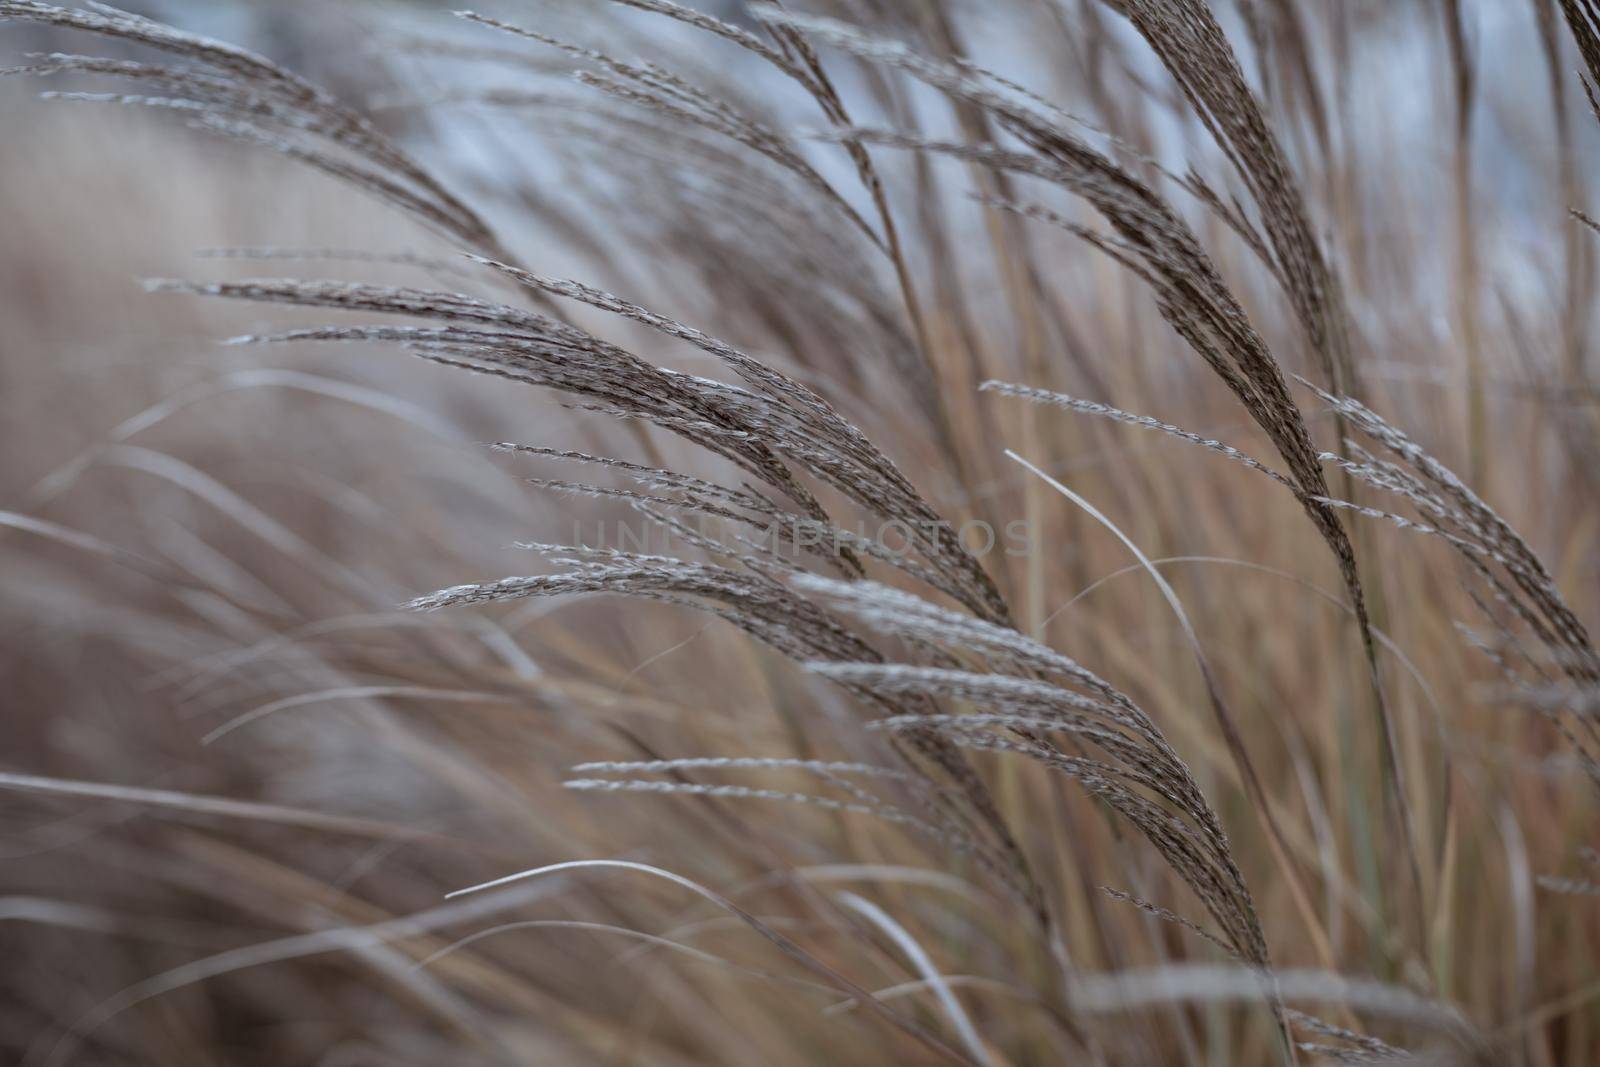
1288,758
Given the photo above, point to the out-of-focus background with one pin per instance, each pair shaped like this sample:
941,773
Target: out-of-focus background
209,546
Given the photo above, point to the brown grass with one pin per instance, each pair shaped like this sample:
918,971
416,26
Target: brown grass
1291,758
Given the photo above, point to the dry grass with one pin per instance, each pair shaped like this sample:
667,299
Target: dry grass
1288,758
